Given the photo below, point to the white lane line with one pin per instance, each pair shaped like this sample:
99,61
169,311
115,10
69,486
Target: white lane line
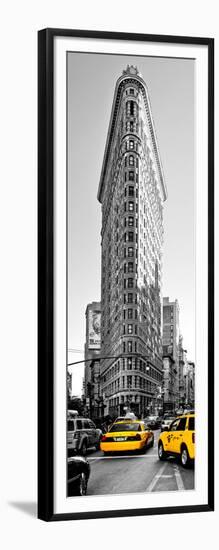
119,456
153,482
179,480
165,476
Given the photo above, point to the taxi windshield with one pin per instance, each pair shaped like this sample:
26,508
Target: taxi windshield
123,427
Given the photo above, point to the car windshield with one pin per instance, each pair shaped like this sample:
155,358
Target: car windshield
133,427
169,418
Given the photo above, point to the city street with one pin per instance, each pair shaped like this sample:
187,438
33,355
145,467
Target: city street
130,473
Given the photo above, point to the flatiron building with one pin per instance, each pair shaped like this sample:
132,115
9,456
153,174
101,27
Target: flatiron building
131,192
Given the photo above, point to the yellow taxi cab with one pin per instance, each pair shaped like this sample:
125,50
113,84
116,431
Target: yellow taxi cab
127,435
179,440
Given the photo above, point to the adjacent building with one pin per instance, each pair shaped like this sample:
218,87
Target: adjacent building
170,354
69,383
182,369
92,364
132,192
189,383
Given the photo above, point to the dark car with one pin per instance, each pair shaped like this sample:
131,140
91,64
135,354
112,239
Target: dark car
78,475
153,422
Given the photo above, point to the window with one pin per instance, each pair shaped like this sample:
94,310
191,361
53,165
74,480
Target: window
86,424
131,206
174,426
130,329
191,423
131,221
70,425
131,126
91,425
131,175
130,267
129,363
130,298
123,347
131,91
131,107
131,160
182,424
130,236
130,251
131,144
79,424
129,347
130,283
131,191
130,313
129,381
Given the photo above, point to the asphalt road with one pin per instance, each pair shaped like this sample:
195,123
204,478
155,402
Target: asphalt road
134,473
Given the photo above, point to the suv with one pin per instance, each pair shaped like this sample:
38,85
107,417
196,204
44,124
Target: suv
179,440
82,435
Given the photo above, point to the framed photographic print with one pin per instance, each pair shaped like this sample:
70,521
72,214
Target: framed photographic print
126,299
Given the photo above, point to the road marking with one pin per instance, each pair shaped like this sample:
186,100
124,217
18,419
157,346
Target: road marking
119,456
155,479
179,480
165,476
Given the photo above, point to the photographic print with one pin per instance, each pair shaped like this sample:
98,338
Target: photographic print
130,266
131,300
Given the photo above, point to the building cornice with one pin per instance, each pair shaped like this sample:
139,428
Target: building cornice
126,78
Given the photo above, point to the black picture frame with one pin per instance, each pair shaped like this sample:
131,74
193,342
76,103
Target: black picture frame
46,274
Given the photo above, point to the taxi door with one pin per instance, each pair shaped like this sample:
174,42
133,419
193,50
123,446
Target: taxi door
176,434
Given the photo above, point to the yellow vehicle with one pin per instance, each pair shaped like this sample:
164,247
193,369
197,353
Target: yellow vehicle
127,435
179,440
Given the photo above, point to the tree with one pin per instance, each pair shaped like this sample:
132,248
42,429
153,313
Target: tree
75,403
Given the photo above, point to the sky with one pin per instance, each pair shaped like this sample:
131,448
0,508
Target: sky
91,84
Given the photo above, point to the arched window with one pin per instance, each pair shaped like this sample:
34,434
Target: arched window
131,160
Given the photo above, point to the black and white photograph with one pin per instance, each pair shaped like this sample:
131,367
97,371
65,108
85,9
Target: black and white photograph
131,274
128,339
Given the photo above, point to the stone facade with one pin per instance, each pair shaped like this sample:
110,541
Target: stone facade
92,367
131,192
171,350
189,384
